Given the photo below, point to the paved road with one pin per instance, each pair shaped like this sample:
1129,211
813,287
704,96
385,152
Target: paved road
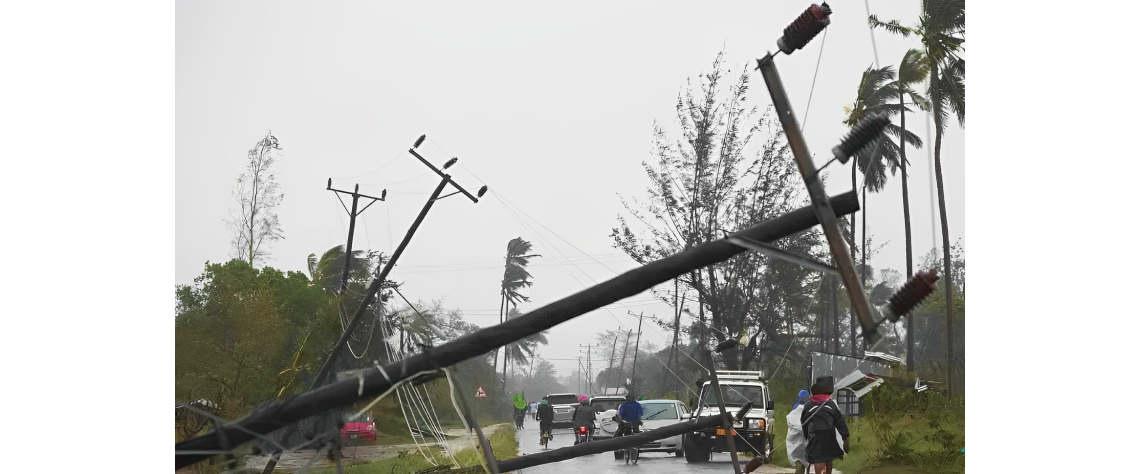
360,454
656,463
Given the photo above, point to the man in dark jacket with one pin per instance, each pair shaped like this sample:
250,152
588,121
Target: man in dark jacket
545,415
821,418
584,416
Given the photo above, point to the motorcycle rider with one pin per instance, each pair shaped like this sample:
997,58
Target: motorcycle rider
545,415
629,416
584,416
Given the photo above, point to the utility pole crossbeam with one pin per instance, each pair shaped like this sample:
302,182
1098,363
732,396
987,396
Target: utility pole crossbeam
352,224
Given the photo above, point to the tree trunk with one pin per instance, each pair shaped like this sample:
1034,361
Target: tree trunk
495,360
854,224
906,224
864,253
946,263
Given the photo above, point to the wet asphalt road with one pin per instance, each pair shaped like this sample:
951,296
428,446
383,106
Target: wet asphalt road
604,463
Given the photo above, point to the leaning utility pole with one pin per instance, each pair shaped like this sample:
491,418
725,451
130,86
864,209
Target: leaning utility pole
374,288
621,367
352,224
612,352
796,36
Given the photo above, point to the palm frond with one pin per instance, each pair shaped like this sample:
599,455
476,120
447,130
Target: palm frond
953,89
893,26
908,136
914,68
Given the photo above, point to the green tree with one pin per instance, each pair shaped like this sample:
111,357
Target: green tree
942,30
716,181
242,334
254,221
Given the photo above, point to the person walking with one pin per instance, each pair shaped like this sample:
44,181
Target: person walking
796,442
820,421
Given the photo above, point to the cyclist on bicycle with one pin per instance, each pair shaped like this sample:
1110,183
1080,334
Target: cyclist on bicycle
545,415
629,417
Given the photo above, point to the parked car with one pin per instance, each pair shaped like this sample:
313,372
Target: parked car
605,407
659,413
364,429
563,405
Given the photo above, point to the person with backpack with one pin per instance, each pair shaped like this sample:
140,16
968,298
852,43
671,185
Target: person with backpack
821,420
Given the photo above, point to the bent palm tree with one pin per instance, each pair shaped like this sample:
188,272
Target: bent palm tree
942,30
326,271
515,278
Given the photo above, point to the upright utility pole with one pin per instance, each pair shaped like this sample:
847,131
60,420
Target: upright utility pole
352,224
612,352
633,372
589,370
579,374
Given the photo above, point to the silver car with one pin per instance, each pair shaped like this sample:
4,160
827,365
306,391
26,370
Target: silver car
659,413
563,405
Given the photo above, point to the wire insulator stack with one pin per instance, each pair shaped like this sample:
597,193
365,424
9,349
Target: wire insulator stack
803,29
910,295
861,135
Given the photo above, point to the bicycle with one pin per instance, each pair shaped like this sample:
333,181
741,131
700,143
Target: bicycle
544,437
630,454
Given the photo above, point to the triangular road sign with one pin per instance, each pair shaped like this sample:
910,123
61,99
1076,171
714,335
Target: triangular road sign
479,393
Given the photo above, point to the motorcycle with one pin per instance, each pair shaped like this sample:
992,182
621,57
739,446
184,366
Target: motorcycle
583,435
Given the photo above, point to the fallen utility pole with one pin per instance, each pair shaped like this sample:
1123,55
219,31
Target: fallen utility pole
613,444
795,36
370,384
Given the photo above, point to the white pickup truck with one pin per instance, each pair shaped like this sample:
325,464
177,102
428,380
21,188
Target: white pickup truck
754,434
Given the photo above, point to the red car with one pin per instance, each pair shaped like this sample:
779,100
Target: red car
365,429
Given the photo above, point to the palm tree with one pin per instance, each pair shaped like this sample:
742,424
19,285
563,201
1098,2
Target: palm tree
912,70
942,30
515,278
520,351
875,96
326,272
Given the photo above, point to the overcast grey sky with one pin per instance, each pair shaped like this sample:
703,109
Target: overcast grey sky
550,105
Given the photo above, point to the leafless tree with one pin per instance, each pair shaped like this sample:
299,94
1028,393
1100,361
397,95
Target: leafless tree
254,221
